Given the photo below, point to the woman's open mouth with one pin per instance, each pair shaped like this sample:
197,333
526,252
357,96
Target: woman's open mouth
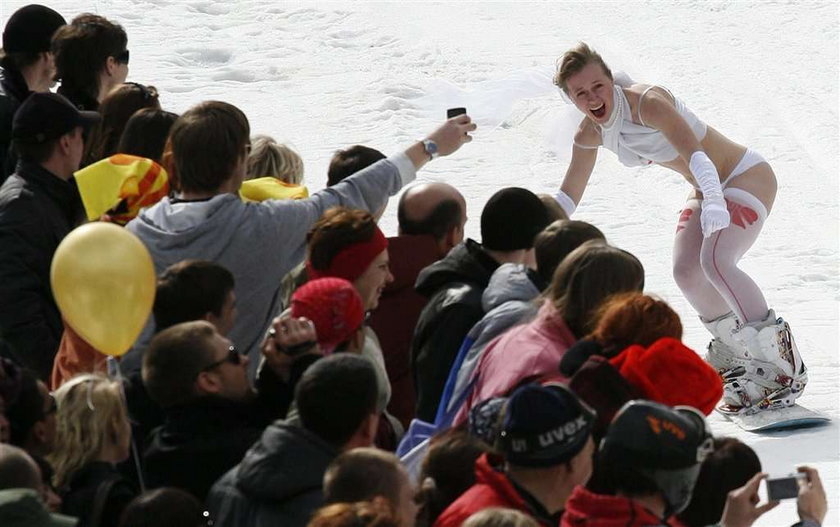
599,112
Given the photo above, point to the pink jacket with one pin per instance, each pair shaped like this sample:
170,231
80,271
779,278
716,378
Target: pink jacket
529,351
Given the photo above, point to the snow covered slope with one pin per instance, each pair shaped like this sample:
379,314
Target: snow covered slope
326,75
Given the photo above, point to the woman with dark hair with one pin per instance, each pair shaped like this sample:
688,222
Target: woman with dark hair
91,58
447,472
116,109
586,277
146,132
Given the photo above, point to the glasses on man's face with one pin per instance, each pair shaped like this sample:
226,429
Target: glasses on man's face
122,57
233,357
149,92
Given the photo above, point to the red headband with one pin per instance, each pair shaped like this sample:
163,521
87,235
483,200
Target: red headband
353,260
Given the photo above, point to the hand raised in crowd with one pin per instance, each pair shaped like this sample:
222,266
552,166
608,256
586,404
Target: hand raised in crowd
448,138
453,133
742,508
811,503
287,340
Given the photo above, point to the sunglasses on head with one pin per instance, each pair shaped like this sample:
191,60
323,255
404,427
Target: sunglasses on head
122,57
233,357
149,92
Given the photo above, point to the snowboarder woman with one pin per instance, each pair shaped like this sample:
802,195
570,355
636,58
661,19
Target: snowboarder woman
734,190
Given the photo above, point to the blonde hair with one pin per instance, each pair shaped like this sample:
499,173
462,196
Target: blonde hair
268,158
499,517
88,407
574,60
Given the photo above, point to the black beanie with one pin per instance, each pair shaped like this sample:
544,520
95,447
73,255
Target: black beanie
544,426
30,29
511,220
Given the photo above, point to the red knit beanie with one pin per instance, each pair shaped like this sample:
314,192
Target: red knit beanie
670,373
333,305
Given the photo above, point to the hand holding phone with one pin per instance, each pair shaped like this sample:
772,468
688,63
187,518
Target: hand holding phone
812,502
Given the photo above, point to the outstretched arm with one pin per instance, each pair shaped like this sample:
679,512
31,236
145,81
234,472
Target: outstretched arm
584,154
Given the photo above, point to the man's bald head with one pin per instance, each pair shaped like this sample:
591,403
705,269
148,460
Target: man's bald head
17,469
435,209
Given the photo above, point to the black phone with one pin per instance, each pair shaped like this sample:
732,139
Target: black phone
452,112
784,488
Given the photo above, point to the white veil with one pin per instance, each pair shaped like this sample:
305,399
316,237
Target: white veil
495,102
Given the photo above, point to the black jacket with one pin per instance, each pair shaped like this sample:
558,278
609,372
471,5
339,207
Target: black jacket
13,91
279,482
78,500
454,286
199,442
37,210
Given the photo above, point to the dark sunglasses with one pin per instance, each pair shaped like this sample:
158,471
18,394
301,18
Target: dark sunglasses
149,92
232,357
122,57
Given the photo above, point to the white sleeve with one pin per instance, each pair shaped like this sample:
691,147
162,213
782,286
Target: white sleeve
566,202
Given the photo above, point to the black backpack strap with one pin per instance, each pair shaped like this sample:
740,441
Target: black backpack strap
99,502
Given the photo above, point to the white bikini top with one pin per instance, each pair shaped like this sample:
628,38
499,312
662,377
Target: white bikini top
637,144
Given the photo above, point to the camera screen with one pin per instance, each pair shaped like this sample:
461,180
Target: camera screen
782,488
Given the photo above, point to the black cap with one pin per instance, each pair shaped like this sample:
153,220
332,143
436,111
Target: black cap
655,436
544,426
511,220
30,29
46,116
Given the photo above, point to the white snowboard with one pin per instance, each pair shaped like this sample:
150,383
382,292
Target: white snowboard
771,420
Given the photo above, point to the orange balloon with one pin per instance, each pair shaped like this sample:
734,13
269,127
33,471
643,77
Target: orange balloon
103,281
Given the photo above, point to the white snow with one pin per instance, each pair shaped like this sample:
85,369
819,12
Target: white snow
327,75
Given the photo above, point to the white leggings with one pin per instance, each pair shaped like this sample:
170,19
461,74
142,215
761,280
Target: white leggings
706,269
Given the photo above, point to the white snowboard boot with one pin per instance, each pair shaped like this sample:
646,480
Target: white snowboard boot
724,352
774,376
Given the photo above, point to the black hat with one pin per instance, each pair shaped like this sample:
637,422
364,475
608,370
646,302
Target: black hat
544,426
46,116
663,444
511,220
656,436
30,29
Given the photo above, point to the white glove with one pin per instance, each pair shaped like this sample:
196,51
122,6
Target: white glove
713,217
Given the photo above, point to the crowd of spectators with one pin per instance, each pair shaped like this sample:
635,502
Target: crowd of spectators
293,347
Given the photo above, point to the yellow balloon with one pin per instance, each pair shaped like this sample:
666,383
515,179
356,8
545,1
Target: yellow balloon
103,281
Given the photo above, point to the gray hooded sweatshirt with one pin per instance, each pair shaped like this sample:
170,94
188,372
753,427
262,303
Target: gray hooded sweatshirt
258,242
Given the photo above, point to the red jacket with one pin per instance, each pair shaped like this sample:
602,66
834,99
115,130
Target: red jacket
394,319
492,489
587,509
